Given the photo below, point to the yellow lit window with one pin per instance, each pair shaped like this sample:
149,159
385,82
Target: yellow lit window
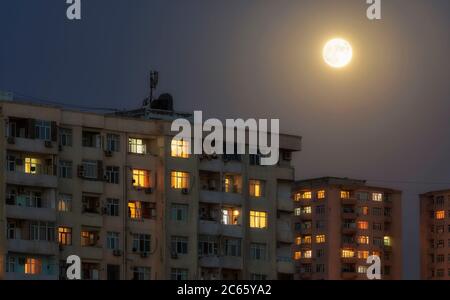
306,195
258,219
256,188
180,148
297,255
376,253
179,180
135,210
320,239
141,178
362,269
363,254
387,241
307,239
32,165
33,266
65,236
363,225
345,194
307,210
378,197
347,253
298,240
137,146
440,215
363,239
365,211
307,254
321,194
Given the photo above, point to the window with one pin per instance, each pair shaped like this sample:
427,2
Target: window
113,142
377,226
65,137
65,236
137,146
135,210
378,241
90,204
141,210
112,175
178,274
297,255
440,214
33,166
91,139
112,207
43,130
141,178
320,252
89,238
33,266
258,219
112,240
306,210
377,197
320,210
345,194
258,277
207,246
306,195
321,194
258,251
362,196
232,247
141,242
363,254
307,254
65,169
179,245
42,231
387,241
363,239
320,239
179,212
180,148
347,253
377,211
362,270
307,239
298,240
179,180
65,203
320,268
141,273
230,216
387,211
363,225
297,211
90,169
256,188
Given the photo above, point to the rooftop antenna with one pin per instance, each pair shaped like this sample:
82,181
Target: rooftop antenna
154,79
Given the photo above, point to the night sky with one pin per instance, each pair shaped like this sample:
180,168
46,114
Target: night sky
385,118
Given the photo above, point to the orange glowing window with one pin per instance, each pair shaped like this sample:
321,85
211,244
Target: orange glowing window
256,188
440,214
307,239
179,180
365,211
347,253
180,148
320,239
345,194
33,266
321,194
363,239
141,178
363,225
297,255
135,210
298,240
363,254
65,236
376,253
258,219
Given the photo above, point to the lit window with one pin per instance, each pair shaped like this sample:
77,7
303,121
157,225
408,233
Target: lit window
65,203
179,180
256,188
378,197
230,216
345,194
298,240
362,269
307,239
363,254
137,146
297,211
346,253
365,211
33,266
321,194
306,195
32,165
180,148
141,178
363,239
307,254
65,236
387,241
320,239
306,210
297,255
135,210
376,253
440,214
363,225
258,219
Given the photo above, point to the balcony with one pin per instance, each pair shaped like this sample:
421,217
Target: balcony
91,219
306,216
349,201
209,227
349,228
212,261
35,247
285,204
232,230
349,260
41,180
285,265
231,262
93,186
91,253
30,213
232,198
32,145
213,197
284,232
23,276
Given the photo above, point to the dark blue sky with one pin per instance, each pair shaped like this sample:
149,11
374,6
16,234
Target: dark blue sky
385,118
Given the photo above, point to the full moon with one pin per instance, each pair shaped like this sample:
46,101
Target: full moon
337,53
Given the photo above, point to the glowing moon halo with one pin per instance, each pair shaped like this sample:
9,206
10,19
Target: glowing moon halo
337,53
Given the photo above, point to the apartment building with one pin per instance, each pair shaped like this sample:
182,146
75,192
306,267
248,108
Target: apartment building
435,235
117,191
339,223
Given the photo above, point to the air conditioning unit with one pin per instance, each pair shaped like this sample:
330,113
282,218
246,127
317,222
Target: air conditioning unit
174,255
185,191
144,254
48,144
11,140
117,252
149,190
108,153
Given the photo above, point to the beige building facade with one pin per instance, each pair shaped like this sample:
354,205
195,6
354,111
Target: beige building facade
339,223
115,190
